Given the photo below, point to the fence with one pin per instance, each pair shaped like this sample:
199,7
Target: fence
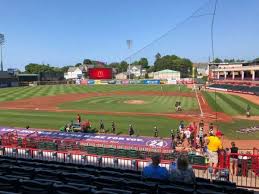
246,174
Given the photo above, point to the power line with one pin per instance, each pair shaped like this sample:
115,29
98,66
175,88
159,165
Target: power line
193,15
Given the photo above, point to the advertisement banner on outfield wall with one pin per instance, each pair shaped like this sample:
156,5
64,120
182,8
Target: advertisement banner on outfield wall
154,81
90,82
171,81
118,82
124,81
112,82
83,82
103,82
134,81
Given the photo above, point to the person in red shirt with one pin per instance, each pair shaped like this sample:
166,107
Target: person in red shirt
78,118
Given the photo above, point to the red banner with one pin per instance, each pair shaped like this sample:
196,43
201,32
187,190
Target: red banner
100,73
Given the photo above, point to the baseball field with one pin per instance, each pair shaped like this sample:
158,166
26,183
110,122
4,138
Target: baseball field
144,106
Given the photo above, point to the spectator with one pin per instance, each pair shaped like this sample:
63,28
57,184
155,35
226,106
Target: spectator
183,171
214,144
154,170
78,118
233,158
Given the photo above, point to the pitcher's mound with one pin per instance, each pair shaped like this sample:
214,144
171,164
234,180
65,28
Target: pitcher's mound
134,102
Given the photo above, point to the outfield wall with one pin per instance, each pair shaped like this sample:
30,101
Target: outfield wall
143,81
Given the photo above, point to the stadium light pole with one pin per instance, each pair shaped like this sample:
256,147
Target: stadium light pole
129,44
1,45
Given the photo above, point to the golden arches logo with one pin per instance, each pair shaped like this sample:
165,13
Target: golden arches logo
100,73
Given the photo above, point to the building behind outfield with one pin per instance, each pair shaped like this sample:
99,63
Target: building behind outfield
167,74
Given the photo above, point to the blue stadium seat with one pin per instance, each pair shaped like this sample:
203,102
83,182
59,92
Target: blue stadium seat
107,181
34,187
139,186
170,189
21,171
47,174
8,184
76,178
118,191
68,189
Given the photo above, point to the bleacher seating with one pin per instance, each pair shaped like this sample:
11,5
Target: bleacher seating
32,176
252,89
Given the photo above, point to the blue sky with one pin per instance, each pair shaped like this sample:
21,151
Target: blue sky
64,32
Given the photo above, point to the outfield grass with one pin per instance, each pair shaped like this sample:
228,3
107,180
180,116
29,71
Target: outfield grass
118,104
230,104
48,120
9,94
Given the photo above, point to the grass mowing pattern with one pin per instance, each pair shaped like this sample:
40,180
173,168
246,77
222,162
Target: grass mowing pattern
230,104
117,104
37,119
9,94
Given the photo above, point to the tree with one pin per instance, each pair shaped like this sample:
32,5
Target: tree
158,56
87,62
123,66
217,60
175,63
143,62
78,64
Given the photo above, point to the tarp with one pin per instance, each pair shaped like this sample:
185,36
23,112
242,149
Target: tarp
91,137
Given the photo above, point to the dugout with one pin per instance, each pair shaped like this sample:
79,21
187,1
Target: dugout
26,78
7,80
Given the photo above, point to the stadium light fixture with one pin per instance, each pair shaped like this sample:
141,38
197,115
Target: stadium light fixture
2,40
129,44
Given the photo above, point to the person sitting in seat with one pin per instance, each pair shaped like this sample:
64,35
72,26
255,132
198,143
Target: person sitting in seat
155,171
183,171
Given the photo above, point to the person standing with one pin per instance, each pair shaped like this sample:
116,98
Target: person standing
78,118
102,127
201,136
248,108
233,158
113,127
155,131
131,130
214,144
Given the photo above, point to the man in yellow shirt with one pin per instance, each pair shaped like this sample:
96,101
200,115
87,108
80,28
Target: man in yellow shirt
213,144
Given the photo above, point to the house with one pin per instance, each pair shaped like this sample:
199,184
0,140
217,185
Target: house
122,75
136,70
76,72
167,74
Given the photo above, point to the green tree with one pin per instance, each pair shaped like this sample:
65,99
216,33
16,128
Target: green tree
78,64
175,63
143,62
123,66
158,56
87,62
217,60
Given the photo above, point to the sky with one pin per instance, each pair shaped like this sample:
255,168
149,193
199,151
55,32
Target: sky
65,32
